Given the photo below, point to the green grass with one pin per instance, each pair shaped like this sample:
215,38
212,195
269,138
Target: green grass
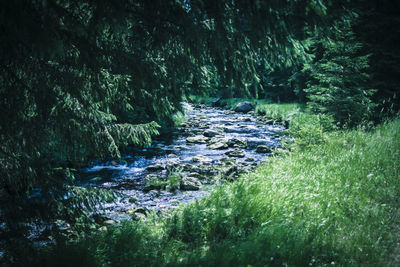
178,118
278,111
335,202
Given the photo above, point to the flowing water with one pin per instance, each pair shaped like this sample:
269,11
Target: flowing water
245,136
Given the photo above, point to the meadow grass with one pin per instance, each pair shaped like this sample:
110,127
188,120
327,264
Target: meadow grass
333,202
278,111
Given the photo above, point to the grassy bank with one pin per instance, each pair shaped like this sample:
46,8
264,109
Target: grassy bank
333,201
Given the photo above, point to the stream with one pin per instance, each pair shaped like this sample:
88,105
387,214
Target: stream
212,146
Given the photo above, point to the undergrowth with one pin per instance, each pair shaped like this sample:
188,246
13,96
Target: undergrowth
334,202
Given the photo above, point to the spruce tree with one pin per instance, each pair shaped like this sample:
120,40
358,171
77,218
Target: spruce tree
81,79
339,81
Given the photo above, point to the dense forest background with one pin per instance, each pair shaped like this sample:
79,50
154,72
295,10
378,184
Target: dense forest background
82,79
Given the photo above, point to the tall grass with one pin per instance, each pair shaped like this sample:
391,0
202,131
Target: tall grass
278,111
335,203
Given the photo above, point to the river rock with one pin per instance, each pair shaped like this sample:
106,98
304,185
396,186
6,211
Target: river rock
245,119
205,169
201,159
263,149
154,168
172,164
237,153
109,222
244,107
211,133
237,142
190,183
198,139
217,143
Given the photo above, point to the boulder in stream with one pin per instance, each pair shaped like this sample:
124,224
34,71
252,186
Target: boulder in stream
263,149
154,168
237,153
244,107
190,183
201,159
198,139
211,133
237,142
245,119
217,143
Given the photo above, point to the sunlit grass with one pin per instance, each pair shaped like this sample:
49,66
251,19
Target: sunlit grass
278,111
331,203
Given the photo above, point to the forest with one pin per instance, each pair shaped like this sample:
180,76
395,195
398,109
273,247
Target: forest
199,133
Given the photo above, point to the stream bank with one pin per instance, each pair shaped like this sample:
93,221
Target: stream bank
212,146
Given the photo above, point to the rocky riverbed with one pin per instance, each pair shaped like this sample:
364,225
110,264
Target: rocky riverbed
212,146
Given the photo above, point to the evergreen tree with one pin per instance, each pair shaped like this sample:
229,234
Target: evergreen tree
339,84
379,30
81,79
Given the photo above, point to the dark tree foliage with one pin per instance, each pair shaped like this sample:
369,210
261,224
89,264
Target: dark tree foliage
379,30
339,84
81,79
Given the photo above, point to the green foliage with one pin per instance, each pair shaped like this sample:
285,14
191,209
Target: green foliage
377,30
178,118
278,111
81,79
333,204
310,130
340,81
128,134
